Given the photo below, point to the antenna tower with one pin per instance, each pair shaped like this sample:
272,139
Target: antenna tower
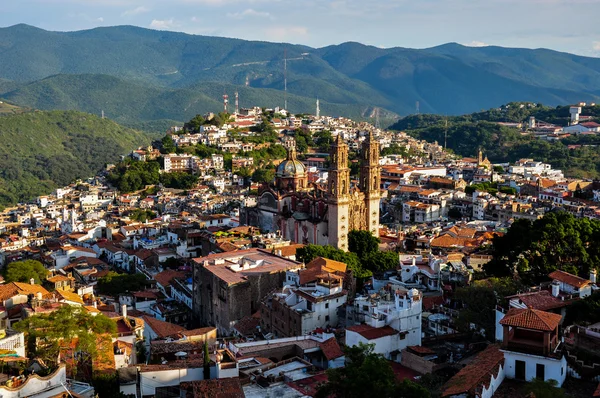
318,114
247,81
103,114
237,103
285,79
225,102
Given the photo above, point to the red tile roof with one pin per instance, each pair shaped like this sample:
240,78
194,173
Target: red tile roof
331,349
164,278
161,328
531,319
542,300
470,379
371,333
569,279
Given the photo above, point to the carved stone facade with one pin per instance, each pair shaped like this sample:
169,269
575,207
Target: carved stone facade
317,214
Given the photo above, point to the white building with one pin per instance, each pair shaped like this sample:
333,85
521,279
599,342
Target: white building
390,325
531,346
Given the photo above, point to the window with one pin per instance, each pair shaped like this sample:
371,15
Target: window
326,305
327,318
402,336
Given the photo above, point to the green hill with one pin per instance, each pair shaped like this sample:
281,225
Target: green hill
449,79
577,156
154,108
44,150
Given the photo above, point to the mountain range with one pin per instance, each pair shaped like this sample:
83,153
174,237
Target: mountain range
140,75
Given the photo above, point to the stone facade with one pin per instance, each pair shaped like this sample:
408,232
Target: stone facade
229,286
322,215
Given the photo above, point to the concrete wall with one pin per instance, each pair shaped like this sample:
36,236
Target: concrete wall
170,377
555,369
36,385
416,362
384,345
494,384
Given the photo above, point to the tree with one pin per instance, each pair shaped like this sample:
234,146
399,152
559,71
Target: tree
366,374
263,175
309,252
142,215
24,271
381,261
362,243
206,362
168,146
479,303
534,249
114,283
410,389
68,329
193,126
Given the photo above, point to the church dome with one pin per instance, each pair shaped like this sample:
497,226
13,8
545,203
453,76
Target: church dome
291,167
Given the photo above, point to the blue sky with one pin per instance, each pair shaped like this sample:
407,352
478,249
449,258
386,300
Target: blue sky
564,25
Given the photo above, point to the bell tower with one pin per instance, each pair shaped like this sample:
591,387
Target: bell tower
370,182
338,194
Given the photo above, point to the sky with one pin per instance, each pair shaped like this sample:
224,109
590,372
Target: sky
563,25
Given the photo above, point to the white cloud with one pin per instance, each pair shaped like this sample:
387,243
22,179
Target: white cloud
249,13
596,45
286,33
162,24
135,11
476,43
100,19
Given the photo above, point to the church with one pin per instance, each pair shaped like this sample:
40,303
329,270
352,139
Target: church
317,214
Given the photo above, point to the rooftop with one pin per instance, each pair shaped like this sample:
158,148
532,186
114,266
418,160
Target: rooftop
569,279
235,267
478,373
531,319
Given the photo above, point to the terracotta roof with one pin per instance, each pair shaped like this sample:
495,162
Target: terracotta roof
68,296
161,328
331,349
59,278
164,278
448,241
270,264
323,263
198,331
214,388
420,350
12,289
247,325
542,300
531,319
290,250
470,379
569,279
371,333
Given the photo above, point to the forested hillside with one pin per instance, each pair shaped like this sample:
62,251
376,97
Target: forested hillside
577,156
154,108
449,79
43,150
